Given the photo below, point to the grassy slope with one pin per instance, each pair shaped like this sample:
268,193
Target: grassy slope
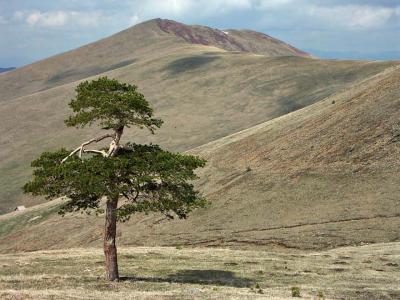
366,272
203,93
321,177
324,176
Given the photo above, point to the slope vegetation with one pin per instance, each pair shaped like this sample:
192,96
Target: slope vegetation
201,91
201,97
321,177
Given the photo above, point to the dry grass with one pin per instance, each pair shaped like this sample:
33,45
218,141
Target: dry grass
322,177
203,93
366,272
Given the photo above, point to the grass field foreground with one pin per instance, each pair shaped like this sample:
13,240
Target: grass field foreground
363,272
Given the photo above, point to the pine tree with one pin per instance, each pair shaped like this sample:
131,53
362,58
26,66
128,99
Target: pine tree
125,179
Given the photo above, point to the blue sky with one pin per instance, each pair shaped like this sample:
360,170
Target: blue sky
367,29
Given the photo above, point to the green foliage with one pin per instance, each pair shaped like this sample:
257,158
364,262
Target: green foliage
149,178
112,104
145,177
296,292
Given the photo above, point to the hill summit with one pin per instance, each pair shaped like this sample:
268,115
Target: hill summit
231,40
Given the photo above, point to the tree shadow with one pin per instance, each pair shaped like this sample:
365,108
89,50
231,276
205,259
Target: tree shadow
212,277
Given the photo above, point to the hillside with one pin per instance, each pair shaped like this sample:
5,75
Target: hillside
321,177
201,91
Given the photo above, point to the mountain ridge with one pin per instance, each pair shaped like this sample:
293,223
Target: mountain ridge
243,40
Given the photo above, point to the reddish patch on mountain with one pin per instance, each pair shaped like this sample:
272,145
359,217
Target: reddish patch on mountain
205,36
264,36
213,37
182,31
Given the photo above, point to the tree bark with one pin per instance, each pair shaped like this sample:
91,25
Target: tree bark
110,232
110,228
115,143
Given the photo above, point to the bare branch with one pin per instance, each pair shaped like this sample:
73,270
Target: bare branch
104,153
115,143
81,147
72,153
98,139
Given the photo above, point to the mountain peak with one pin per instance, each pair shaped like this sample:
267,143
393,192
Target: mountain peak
230,40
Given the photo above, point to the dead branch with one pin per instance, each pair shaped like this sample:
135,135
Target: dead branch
81,149
104,153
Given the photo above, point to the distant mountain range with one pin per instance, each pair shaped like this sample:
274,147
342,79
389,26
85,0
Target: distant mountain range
354,55
2,70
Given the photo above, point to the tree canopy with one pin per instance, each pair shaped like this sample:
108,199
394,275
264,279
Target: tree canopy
112,104
146,177
125,179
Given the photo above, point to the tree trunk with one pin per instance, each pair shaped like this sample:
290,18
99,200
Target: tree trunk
110,228
115,143
110,249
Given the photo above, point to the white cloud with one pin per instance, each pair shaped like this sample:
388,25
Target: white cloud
180,8
51,19
19,15
87,19
353,16
169,7
283,13
58,18
266,4
223,6
202,7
